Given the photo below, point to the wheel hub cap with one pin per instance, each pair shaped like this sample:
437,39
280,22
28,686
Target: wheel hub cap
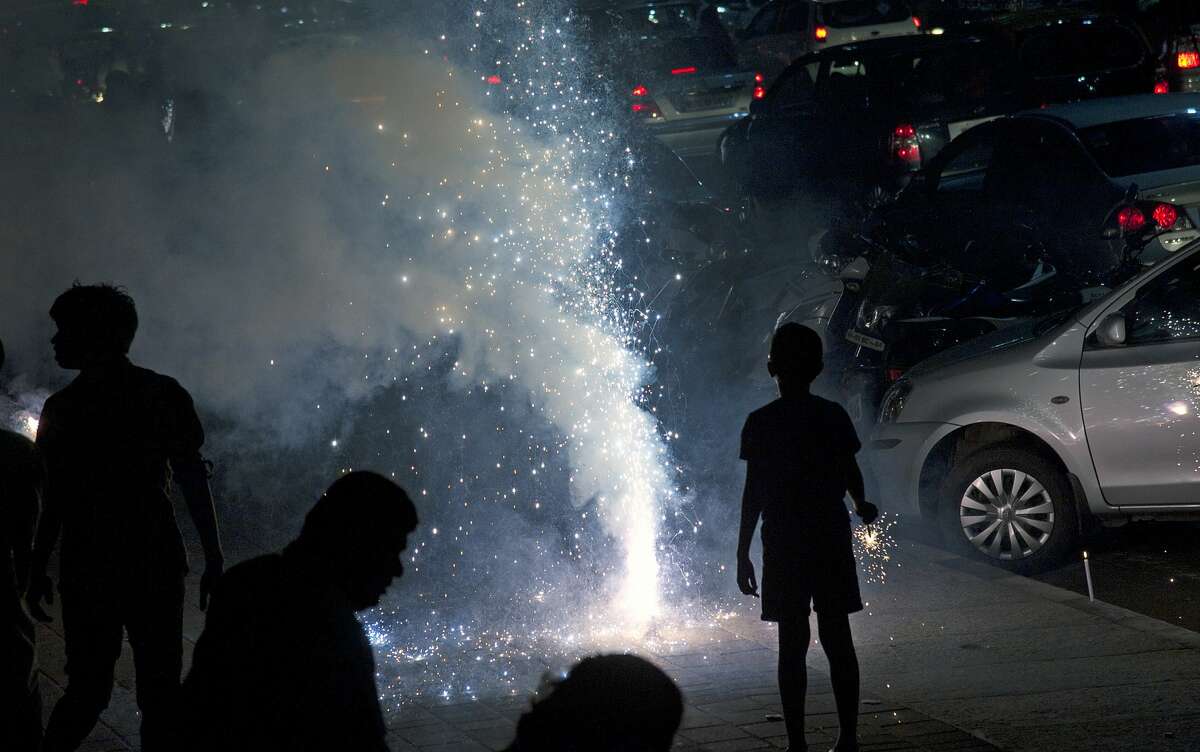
1007,514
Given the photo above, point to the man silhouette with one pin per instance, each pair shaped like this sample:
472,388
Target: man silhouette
799,452
20,496
113,440
607,703
283,664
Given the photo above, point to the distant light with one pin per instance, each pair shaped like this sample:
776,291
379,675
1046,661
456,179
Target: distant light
937,31
333,443
106,29
1178,408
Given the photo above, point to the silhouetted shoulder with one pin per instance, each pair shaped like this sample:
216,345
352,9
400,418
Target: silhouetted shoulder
16,448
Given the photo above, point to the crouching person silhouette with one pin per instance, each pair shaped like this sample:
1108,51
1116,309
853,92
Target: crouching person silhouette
799,452
283,664
607,703
113,440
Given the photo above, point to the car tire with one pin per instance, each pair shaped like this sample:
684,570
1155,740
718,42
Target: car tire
1011,507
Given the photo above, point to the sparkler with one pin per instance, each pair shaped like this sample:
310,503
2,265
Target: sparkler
874,546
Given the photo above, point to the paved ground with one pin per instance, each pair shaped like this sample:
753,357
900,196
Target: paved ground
956,655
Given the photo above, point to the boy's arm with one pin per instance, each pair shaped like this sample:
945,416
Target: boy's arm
40,588
190,472
752,506
867,511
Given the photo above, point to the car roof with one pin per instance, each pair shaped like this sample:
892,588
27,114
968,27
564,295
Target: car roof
886,45
1046,17
1092,112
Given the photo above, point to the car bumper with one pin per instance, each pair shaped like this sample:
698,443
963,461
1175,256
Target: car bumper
694,137
894,456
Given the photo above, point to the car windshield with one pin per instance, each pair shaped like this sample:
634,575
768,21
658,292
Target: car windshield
1071,50
1134,147
863,13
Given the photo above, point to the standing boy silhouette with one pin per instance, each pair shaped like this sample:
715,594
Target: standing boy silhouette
799,452
114,440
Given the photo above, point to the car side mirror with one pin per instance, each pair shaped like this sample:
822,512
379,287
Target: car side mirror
1111,332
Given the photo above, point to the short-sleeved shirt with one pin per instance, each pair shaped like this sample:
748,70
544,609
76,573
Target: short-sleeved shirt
802,448
282,664
108,441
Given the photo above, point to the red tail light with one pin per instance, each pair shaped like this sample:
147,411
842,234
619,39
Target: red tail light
648,110
683,71
494,80
1165,216
905,146
1162,87
1130,219
917,21
760,92
821,33
640,91
893,374
758,78
1188,59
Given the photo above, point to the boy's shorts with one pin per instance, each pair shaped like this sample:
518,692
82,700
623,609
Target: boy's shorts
792,586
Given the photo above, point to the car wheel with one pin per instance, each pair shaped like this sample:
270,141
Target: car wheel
1011,507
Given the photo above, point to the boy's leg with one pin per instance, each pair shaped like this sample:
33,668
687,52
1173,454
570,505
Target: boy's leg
92,631
794,636
155,624
834,631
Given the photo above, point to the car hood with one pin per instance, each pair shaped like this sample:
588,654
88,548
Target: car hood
1002,339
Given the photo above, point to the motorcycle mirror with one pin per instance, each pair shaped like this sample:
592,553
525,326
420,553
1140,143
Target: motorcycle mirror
758,106
1111,332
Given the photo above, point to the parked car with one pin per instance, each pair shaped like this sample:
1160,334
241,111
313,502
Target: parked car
1059,201
1012,441
673,71
784,30
864,117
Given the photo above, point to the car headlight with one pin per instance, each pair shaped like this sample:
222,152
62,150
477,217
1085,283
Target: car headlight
893,401
873,319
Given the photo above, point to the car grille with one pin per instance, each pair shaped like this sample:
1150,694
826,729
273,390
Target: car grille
704,100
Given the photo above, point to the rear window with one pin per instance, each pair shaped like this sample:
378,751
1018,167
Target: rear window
660,58
1074,50
1132,147
863,13
660,20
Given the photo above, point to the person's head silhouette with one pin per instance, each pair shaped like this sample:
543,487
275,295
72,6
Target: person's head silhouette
96,324
796,355
358,529
607,703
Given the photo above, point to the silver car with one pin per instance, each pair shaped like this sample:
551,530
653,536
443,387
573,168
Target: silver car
1012,441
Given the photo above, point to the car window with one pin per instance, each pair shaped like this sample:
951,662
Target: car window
1078,49
1037,162
969,75
764,22
793,90
1167,308
1132,147
970,155
794,19
863,12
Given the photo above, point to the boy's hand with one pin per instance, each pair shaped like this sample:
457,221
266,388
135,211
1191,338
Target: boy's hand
41,590
867,512
746,580
212,572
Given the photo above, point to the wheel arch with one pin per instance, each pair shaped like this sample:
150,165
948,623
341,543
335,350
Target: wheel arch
968,439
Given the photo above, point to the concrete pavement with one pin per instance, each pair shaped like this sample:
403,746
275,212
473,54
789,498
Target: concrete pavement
955,655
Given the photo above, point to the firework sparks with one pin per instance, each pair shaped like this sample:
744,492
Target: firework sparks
874,546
